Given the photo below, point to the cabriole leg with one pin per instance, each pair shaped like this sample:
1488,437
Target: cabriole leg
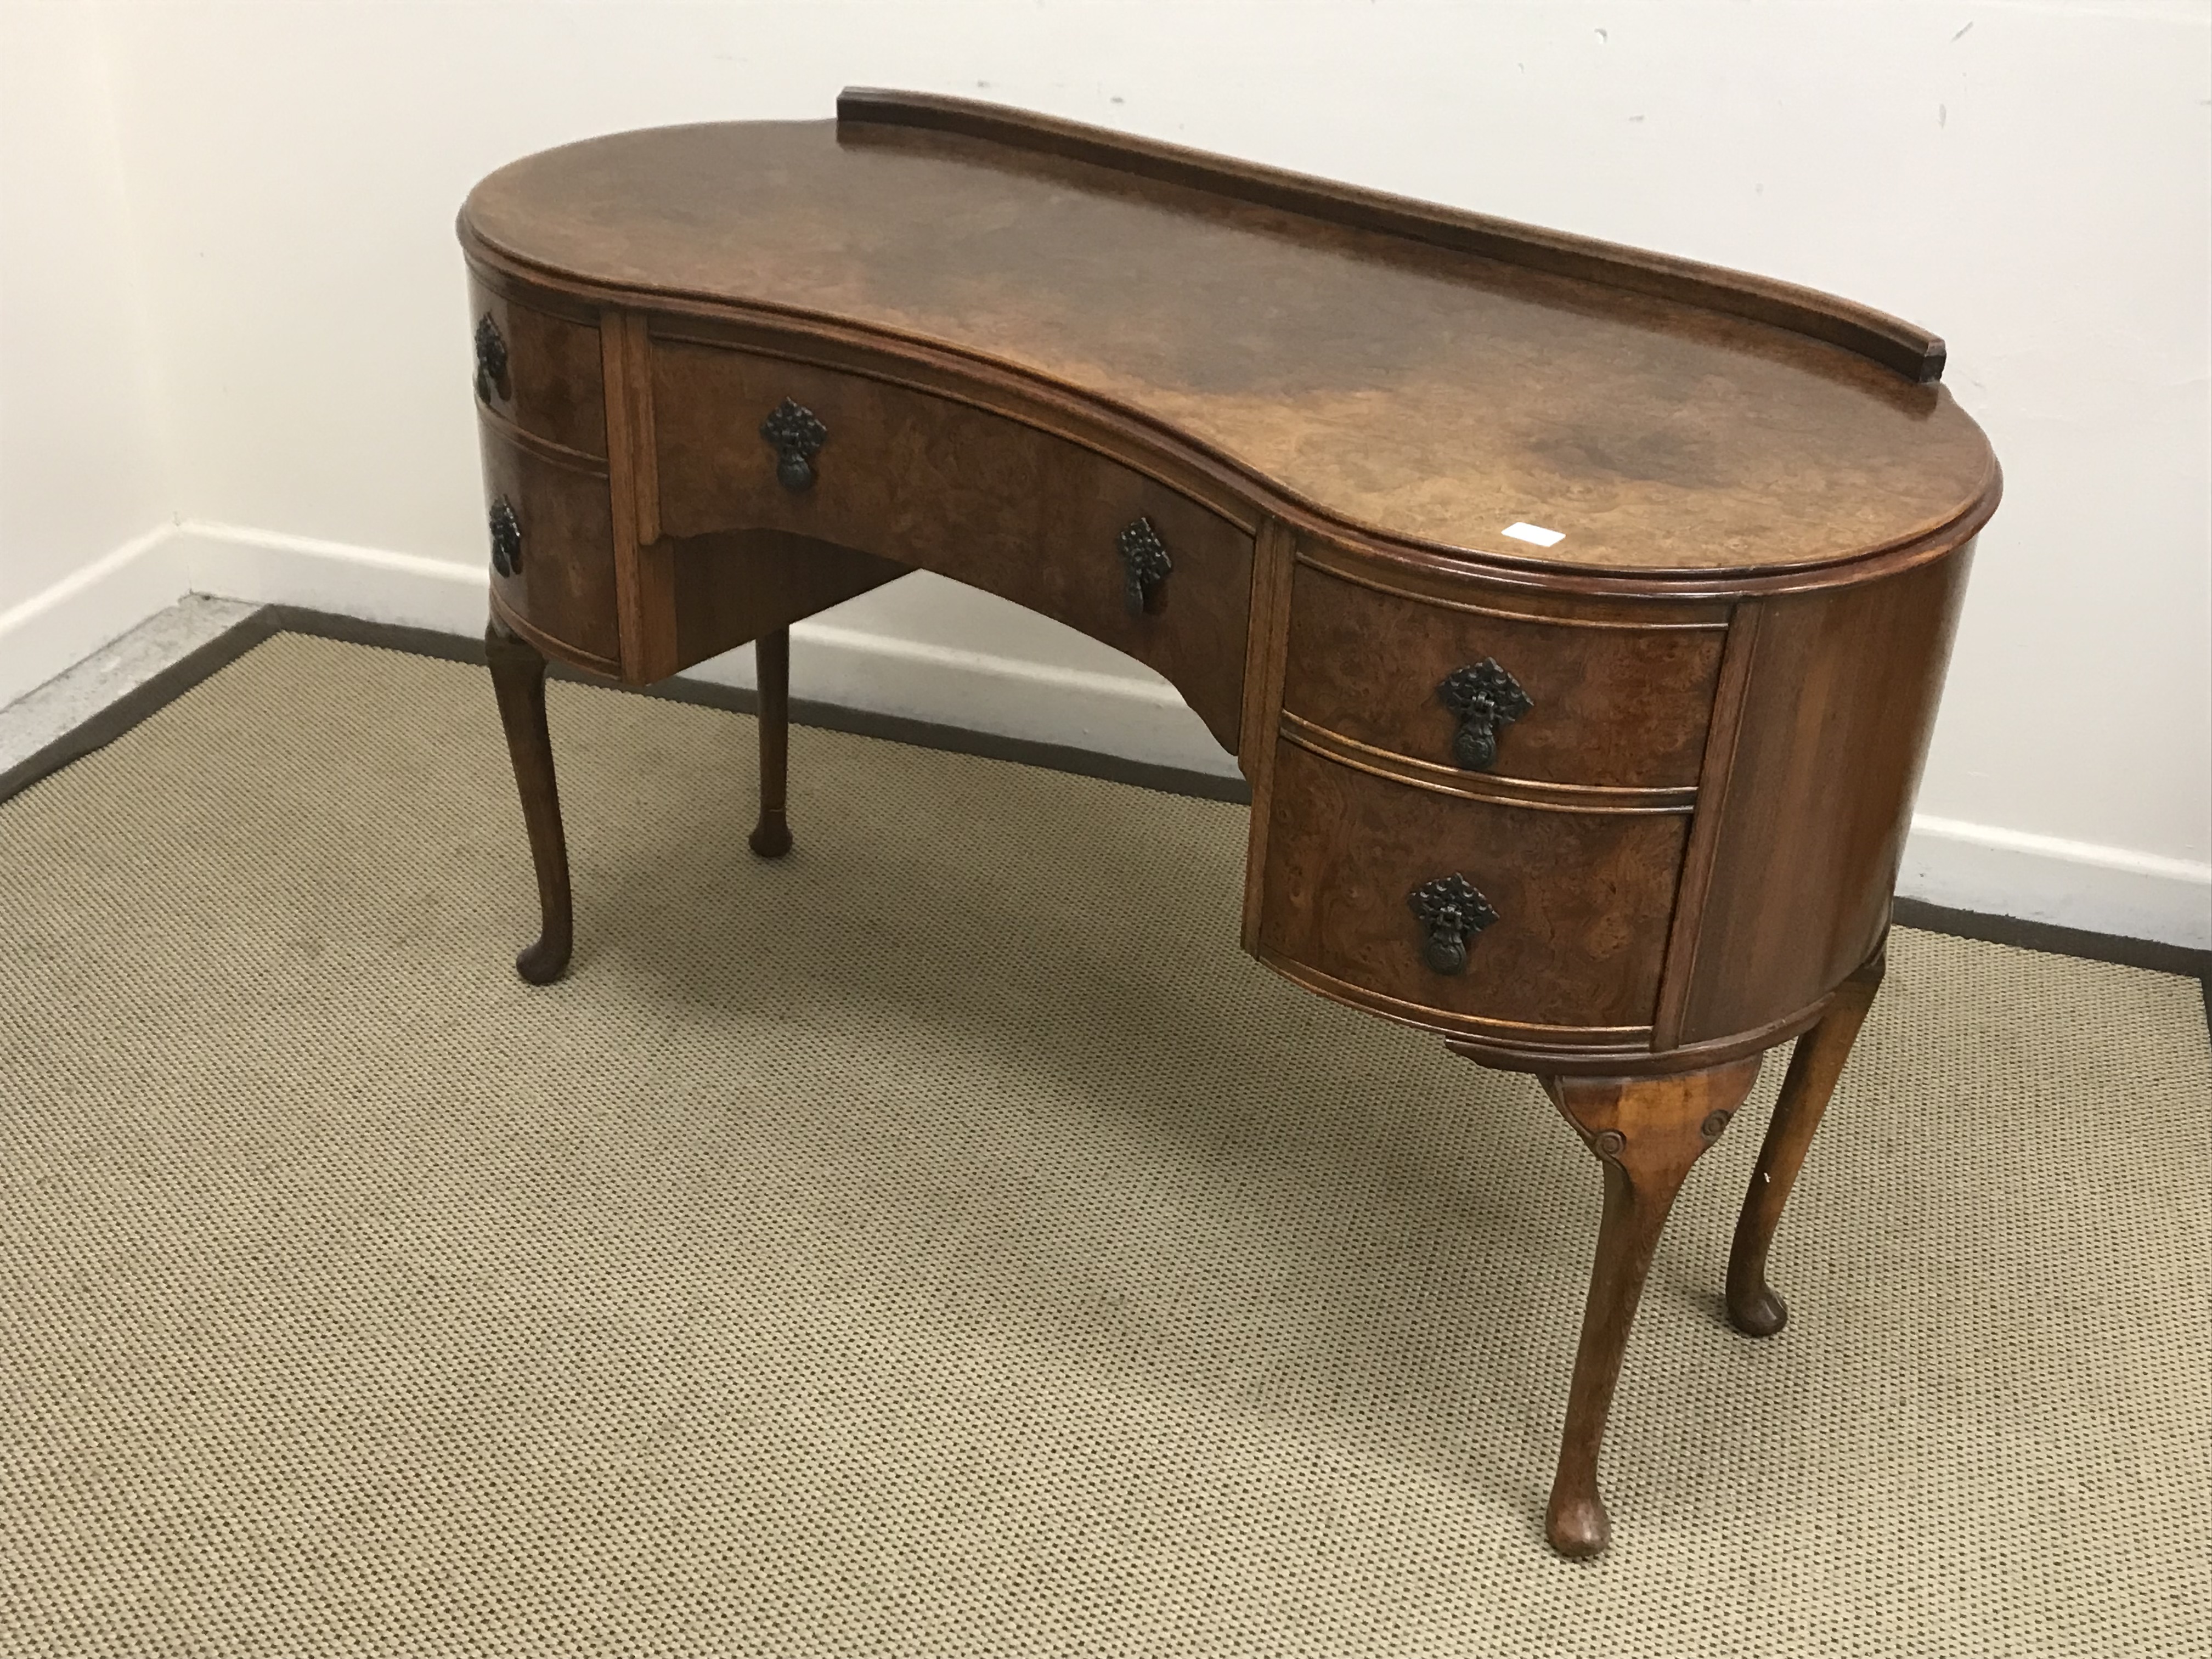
1818,1061
771,836
517,678
1646,1132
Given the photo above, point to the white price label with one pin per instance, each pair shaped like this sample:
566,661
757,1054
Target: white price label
1537,533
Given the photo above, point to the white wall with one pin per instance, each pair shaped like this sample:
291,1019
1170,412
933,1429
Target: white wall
81,472
2033,180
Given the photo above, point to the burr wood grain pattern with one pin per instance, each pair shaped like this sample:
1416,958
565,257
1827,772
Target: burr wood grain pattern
1620,806
1621,704
966,493
1426,394
561,577
545,378
1583,898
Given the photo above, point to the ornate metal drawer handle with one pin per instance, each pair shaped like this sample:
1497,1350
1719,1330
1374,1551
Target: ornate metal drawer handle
1451,913
505,538
1485,697
798,435
491,359
1145,567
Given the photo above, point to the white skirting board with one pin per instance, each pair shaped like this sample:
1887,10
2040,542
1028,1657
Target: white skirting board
1977,868
60,626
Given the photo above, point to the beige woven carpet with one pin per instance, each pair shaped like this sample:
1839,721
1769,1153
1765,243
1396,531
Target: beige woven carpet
944,1243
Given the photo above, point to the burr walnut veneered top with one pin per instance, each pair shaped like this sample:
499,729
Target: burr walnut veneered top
1419,391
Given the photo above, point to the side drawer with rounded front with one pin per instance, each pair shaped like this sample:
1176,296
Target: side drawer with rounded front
1470,912
1593,699
744,441
539,372
550,525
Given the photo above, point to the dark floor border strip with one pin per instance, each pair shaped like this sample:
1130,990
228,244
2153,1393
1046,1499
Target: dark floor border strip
150,696
164,687
2057,941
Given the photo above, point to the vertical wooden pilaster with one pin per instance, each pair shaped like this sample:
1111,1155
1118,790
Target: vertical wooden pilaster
644,588
1266,647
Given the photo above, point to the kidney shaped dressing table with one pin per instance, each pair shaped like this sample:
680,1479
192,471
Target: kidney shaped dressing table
1577,614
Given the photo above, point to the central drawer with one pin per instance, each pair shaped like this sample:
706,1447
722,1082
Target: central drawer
744,441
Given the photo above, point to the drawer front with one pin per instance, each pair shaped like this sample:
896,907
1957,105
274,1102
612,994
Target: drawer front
973,495
1609,703
1582,899
554,562
540,372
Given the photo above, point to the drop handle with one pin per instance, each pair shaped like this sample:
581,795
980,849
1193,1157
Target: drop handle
1451,913
1145,568
505,538
797,435
491,359
1485,697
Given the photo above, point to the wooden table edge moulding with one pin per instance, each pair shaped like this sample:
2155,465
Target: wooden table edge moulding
1577,614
